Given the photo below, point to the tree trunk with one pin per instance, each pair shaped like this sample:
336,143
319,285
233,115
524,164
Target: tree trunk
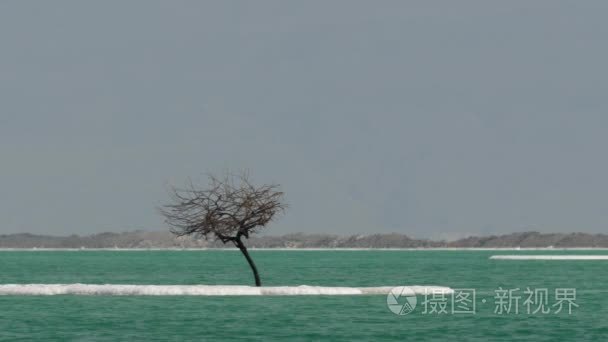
243,249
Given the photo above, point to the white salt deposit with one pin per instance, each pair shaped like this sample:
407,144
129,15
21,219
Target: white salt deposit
550,257
199,290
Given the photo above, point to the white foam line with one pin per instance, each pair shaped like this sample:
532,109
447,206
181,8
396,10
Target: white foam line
198,290
550,257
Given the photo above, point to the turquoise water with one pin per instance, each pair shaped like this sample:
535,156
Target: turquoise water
305,318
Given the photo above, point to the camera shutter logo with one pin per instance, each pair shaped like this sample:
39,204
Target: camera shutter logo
401,300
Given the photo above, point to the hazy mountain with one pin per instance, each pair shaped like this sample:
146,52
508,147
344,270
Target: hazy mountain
142,239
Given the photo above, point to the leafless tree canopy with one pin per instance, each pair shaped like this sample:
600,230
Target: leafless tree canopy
230,207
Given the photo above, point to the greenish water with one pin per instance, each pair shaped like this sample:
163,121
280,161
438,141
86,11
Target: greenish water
305,318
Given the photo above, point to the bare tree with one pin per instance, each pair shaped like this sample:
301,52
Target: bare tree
229,209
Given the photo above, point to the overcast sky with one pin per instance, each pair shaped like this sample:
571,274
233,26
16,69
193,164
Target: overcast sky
430,118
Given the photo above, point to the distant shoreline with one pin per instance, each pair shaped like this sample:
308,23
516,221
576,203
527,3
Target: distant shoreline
306,249
164,240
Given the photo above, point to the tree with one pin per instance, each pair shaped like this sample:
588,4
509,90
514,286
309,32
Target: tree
229,209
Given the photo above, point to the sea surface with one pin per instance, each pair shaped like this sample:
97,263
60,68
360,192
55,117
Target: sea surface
304,318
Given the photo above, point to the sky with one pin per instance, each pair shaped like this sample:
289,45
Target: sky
436,119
